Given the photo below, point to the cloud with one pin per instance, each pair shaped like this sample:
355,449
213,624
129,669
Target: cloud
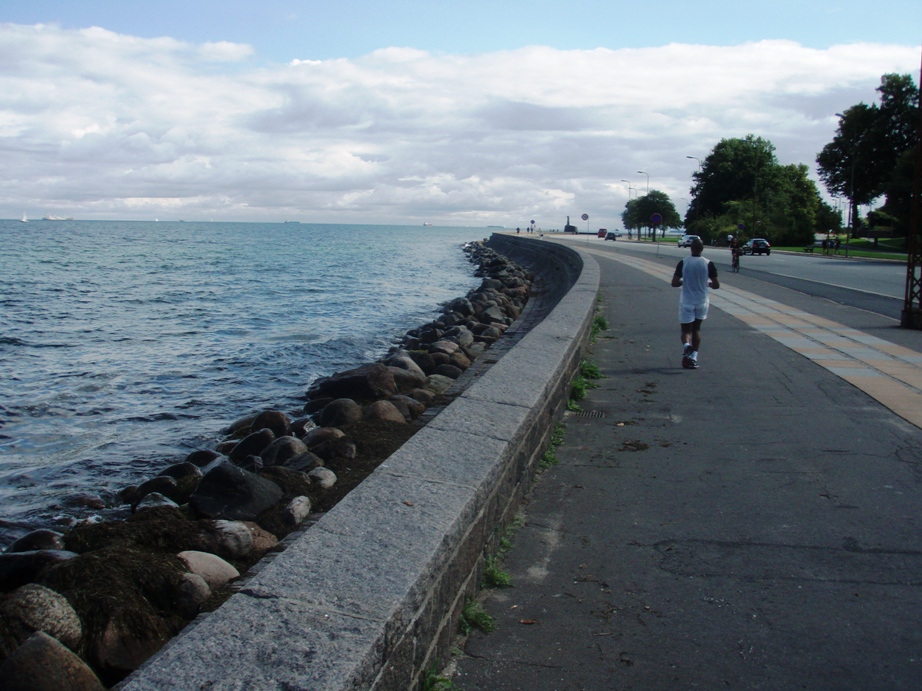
101,125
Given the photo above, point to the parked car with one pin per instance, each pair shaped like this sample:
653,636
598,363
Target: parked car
686,240
612,235
757,246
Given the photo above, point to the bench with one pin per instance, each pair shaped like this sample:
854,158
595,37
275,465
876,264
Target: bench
810,248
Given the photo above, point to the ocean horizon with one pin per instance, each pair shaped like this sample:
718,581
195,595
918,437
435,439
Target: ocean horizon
124,345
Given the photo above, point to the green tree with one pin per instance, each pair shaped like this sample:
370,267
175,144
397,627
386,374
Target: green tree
638,213
863,160
741,184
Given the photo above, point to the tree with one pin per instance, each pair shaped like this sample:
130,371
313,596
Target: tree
741,185
638,213
863,161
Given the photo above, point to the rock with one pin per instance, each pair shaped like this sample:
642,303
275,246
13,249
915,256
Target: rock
303,462
43,664
275,420
87,501
154,500
241,425
403,360
302,426
297,510
210,567
444,346
335,449
292,482
163,485
460,335
202,458
232,493
424,396
129,638
193,593
439,358
34,607
462,306
263,540
449,371
366,382
438,383
409,407
315,405
384,410
405,379
227,539
424,361
282,449
475,350
460,360
252,444
492,315
179,471
19,568
491,332
222,448
319,435
36,540
342,411
253,464
322,478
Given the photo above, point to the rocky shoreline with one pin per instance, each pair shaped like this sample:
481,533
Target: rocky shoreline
83,609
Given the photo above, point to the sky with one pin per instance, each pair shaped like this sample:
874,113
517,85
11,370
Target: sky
410,111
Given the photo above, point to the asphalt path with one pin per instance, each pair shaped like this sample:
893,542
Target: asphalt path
754,524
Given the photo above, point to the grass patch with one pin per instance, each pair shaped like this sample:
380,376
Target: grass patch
599,324
590,370
549,458
494,576
431,681
474,616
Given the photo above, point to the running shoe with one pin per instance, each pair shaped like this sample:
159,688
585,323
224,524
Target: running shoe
687,362
692,364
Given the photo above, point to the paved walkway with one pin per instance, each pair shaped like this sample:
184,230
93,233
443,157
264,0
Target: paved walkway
754,523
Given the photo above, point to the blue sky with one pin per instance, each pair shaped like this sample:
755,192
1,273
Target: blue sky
475,113
284,30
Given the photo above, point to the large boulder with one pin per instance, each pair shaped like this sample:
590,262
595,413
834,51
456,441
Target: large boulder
282,449
275,420
407,379
231,493
44,664
341,412
252,444
36,540
213,569
34,607
228,539
384,410
366,382
403,360
19,568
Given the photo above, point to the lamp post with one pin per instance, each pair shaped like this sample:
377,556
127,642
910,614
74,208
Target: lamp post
697,204
648,179
629,188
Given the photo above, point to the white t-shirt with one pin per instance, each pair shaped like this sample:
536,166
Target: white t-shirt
695,272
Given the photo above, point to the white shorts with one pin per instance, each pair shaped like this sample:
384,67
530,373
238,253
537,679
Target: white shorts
689,313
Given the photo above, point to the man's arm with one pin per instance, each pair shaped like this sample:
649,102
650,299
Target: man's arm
677,276
712,276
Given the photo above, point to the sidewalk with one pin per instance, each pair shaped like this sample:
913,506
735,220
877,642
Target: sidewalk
751,524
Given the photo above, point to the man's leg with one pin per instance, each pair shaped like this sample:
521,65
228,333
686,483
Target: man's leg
695,328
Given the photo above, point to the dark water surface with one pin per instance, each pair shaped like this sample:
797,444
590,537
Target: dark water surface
124,345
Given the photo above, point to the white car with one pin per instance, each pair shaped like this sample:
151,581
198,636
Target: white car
686,240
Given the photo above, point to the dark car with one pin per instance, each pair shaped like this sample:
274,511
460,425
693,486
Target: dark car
612,235
757,246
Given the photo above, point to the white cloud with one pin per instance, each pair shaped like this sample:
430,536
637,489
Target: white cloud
97,124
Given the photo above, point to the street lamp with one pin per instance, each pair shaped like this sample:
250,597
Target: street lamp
629,188
697,201
648,179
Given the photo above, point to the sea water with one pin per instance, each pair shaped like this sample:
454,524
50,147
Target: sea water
125,345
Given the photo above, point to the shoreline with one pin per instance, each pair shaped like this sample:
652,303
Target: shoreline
295,490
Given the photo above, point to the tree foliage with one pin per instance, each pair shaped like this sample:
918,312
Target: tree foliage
866,157
741,185
638,213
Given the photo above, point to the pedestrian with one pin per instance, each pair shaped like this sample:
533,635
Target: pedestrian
838,242
694,275
825,246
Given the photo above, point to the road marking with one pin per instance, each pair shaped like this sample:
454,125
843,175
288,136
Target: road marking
889,373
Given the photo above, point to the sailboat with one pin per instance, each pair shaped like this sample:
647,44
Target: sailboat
24,219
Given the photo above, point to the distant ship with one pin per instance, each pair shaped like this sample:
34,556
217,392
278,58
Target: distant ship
292,221
427,224
496,226
57,218
24,218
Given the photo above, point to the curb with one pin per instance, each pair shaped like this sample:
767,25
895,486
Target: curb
369,597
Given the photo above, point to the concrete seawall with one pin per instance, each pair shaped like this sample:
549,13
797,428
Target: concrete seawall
369,597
